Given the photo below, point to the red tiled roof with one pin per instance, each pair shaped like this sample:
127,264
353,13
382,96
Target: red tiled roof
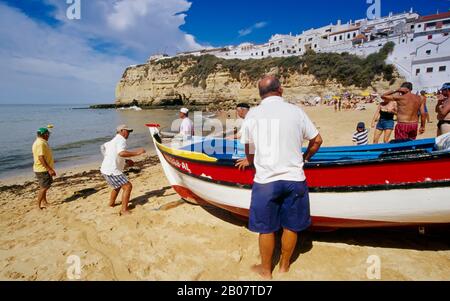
434,17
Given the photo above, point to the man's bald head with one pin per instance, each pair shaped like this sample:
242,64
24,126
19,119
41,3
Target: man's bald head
269,86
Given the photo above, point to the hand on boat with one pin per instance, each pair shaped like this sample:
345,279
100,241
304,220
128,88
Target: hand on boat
242,164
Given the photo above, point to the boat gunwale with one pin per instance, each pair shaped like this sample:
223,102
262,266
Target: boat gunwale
319,164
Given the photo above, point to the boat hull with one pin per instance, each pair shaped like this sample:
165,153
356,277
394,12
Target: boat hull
390,193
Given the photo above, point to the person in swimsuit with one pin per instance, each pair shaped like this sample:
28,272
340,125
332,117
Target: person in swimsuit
423,95
443,110
408,105
384,121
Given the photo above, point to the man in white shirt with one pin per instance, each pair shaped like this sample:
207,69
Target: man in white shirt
187,126
114,163
273,134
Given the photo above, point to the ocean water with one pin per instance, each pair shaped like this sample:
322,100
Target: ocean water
77,134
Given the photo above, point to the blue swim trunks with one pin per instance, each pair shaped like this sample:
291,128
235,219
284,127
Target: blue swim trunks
282,204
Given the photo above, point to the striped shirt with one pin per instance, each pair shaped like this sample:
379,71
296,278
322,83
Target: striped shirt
361,138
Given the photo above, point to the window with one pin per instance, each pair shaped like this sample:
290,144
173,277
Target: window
278,48
428,52
412,40
315,45
335,38
442,68
289,51
430,70
262,53
280,42
340,38
403,41
299,40
283,51
445,34
295,51
412,26
430,37
348,36
419,26
417,71
354,34
300,50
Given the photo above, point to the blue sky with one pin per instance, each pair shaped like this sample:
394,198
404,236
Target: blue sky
47,58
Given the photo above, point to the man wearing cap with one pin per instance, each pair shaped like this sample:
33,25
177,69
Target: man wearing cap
187,126
443,110
43,166
114,163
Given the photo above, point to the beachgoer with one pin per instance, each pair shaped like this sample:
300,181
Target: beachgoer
423,95
443,110
408,105
43,166
242,110
273,135
187,126
384,121
114,162
361,136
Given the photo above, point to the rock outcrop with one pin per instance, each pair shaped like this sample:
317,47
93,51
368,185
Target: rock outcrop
155,84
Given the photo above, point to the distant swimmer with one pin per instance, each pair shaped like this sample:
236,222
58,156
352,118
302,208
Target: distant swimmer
443,110
408,105
114,163
44,165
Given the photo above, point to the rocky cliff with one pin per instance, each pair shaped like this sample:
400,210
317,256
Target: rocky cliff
217,84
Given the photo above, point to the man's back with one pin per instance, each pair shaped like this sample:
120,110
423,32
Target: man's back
408,107
277,129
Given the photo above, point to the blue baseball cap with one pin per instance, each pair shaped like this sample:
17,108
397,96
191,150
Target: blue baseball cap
446,86
361,125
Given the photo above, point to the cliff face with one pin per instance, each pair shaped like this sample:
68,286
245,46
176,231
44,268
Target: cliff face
154,84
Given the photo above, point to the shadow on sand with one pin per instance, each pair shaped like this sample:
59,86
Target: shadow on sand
434,239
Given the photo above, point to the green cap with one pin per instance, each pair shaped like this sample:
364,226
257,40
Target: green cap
43,131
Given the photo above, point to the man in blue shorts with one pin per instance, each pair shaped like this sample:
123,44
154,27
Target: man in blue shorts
273,134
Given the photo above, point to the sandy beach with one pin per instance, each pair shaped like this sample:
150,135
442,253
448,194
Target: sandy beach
166,238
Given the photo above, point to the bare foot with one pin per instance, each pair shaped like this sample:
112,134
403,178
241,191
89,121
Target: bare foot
265,274
284,270
112,205
122,213
42,207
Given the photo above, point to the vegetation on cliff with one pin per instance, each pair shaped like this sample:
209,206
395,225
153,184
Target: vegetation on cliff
347,69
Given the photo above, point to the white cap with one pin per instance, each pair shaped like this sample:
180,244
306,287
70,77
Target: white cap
184,111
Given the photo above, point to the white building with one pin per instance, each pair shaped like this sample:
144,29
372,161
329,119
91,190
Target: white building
411,33
431,65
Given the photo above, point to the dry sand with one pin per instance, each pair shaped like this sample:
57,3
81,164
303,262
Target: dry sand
168,239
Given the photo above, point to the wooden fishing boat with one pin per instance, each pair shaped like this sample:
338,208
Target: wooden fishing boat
402,184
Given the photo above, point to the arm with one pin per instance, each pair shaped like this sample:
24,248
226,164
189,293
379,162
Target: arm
423,118
129,154
250,157
390,96
44,163
313,147
444,108
376,117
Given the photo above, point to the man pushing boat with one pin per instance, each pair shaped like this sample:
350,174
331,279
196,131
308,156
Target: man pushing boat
408,105
273,134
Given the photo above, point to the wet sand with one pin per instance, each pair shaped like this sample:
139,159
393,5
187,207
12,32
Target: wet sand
166,238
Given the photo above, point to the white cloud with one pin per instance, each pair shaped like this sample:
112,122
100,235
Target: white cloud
249,30
82,60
